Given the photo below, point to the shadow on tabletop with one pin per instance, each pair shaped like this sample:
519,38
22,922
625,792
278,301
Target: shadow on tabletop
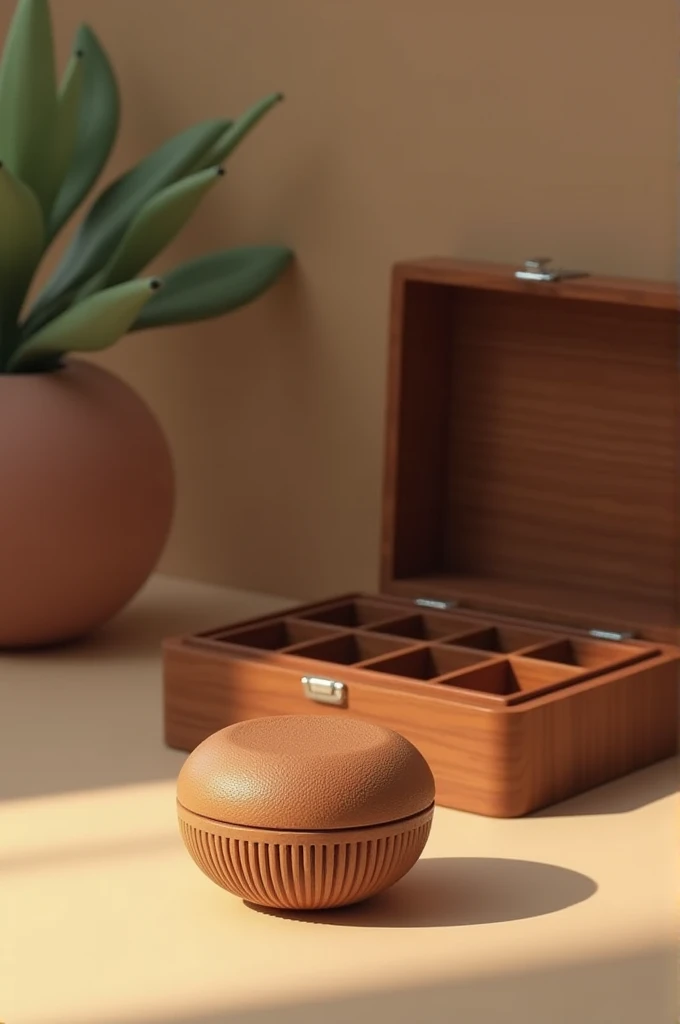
637,987
72,727
157,613
628,793
445,892
89,715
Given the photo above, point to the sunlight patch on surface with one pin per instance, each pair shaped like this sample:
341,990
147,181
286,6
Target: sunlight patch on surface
75,822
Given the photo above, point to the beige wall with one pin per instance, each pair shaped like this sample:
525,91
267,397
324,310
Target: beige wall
482,128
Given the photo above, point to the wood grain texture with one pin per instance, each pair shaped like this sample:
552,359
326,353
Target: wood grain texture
533,446
500,277
531,489
598,731
504,734
206,690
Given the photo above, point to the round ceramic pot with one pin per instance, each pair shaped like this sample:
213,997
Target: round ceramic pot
87,489
305,812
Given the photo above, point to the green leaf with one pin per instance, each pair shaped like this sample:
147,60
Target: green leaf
22,238
68,109
28,98
237,131
156,224
211,157
109,217
97,128
93,324
214,284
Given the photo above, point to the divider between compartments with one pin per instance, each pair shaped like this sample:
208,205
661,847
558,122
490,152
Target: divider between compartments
590,654
574,677
533,673
313,651
354,613
469,640
514,678
274,635
501,639
392,668
578,675
427,661
348,647
428,627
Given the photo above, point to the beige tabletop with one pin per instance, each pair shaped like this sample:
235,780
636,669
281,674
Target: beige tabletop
566,917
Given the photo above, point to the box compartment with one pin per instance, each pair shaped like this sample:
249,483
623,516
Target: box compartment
525,636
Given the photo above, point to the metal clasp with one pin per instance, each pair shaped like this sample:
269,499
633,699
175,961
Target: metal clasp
539,269
324,691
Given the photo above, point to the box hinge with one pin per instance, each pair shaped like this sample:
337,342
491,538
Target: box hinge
539,269
608,634
435,604
324,691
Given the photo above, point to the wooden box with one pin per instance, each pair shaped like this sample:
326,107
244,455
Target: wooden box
524,637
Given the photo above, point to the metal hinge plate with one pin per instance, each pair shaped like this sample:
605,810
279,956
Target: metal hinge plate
435,604
613,636
607,634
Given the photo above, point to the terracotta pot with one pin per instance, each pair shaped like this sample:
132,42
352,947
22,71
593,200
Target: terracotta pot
86,501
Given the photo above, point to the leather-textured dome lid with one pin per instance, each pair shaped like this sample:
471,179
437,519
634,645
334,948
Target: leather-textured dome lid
305,773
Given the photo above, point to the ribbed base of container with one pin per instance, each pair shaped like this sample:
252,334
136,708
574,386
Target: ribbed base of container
304,871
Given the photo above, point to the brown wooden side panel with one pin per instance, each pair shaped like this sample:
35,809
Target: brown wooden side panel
465,746
531,446
592,735
504,763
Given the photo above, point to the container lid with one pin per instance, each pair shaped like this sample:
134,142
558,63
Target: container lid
305,773
533,445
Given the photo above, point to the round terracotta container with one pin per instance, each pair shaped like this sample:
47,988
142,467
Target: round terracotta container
87,500
305,812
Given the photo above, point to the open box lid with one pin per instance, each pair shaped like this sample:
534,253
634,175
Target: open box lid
532,446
